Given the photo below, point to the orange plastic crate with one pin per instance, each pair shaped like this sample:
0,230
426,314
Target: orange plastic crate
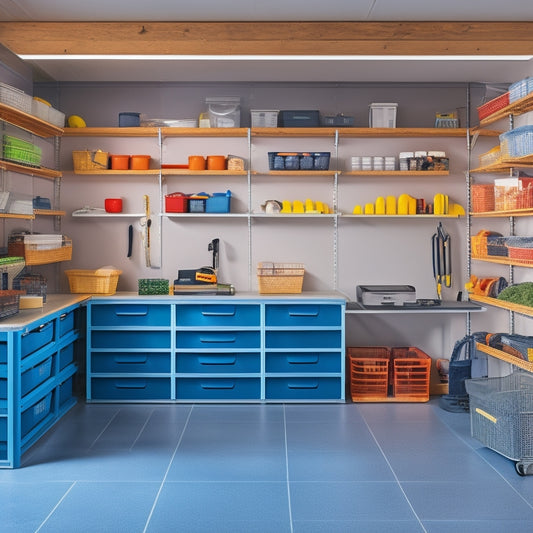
369,373
410,374
493,105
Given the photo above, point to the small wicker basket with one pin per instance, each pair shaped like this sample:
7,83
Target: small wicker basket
90,160
280,278
102,281
482,198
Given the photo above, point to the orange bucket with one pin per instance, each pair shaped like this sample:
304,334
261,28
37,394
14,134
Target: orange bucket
140,162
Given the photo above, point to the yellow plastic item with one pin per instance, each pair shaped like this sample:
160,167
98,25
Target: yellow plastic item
440,204
390,205
319,206
327,210
380,205
286,207
75,121
309,205
403,204
456,210
411,205
357,210
42,100
298,206
369,209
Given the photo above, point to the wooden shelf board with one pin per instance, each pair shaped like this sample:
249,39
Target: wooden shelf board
518,107
302,173
505,261
498,354
41,172
48,212
350,215
150,172
14,215
496,214
396,173
509,306
29,122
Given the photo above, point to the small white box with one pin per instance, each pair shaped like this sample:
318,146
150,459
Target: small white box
382,115
264,118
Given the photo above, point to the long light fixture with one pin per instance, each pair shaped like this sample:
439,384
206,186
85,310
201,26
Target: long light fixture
241,57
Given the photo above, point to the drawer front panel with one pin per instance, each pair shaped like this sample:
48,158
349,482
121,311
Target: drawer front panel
304,362
130,339
303,315
303,388
130,362
218,363
218,389
66,391
36,338
218,315
35,414
66,356
304,339
66,323
216,340
130,388
130,315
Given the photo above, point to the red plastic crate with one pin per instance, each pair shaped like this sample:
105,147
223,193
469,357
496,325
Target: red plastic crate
410,374
176,202
369,373
493,105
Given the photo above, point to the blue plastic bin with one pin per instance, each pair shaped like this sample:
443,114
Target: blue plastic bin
219,202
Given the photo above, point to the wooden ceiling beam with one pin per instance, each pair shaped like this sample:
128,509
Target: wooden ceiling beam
278,38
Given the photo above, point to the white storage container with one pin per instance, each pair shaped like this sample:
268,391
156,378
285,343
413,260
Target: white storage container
264,118
224,111
382,115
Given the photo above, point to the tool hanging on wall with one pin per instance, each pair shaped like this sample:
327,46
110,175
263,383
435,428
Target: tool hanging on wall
146,223
442,263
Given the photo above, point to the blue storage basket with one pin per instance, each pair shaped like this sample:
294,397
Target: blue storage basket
219,202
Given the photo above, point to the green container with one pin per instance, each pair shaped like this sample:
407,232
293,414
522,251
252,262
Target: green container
153,286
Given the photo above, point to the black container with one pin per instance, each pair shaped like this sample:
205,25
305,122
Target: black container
299,119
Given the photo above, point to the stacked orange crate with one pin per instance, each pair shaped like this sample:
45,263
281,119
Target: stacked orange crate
369,373
411,371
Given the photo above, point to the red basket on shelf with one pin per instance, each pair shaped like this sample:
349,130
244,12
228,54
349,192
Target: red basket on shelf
482,198
493,105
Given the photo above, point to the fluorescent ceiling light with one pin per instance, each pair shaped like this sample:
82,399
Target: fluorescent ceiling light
126,57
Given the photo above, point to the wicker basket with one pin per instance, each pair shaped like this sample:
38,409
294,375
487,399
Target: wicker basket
34,254
491,157
101,281
479,244
90,160
280,278
482,198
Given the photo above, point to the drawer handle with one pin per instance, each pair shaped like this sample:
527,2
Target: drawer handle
131,313
36,330
63,316
130,384
303,313
218,313
217,360
125,359
303,360
303,385
217,339
223,385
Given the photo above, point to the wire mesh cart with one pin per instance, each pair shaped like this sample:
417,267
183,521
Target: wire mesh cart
501,416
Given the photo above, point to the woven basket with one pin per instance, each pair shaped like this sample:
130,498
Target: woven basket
479,243
93,281
90,160
482,198
34,255
280,278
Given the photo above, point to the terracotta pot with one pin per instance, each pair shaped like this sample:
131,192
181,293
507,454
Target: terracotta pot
216,162
196,162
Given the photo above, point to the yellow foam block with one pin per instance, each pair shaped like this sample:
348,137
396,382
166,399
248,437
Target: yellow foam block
380,205
390,205
30,302
297,206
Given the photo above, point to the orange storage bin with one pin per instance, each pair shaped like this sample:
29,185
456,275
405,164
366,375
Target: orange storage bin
140,162
369,373
120,162
410,374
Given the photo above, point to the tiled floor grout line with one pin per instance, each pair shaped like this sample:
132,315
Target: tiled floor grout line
394,474
104,429
156,499
142,429
287,468
56,506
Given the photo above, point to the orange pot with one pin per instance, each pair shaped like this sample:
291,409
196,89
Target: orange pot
120,162
140,162
216,162
196,162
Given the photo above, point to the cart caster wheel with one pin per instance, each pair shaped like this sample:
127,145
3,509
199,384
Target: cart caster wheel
524,469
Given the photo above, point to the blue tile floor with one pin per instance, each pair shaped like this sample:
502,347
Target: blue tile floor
357,468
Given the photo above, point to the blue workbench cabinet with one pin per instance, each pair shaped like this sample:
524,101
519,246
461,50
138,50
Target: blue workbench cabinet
244,348
37,368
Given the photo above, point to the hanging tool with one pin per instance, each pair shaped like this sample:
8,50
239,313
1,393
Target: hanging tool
130,240
441,252
213,247
147,224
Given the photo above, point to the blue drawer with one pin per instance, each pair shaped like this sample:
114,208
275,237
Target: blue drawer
66,356
303,388
3,434
66,323
36,338
35,414
218,363
304,339
215,340
65,391
218,315
218,389
30,379
130,362
304,362
130,315
130,389
303,315
3,352
130,339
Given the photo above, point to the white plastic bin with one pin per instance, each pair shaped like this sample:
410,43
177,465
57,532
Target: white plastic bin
224,111
382,115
